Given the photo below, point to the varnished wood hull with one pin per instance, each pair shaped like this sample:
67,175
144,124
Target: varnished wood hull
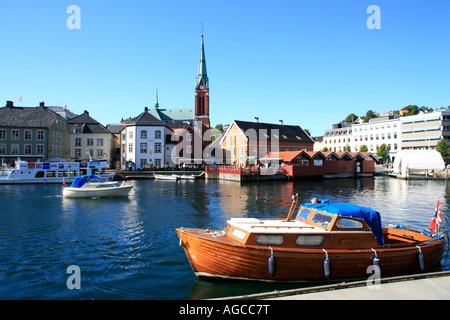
213,255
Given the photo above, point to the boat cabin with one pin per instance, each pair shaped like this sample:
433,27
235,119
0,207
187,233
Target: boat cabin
314,225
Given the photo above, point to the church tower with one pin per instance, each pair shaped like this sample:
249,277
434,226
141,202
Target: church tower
202,90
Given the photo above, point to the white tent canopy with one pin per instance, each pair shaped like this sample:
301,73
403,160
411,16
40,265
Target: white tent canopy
406,160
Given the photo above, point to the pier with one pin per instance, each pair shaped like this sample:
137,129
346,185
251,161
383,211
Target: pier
425,286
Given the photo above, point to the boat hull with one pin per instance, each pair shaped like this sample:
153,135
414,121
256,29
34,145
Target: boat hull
213,256
96,193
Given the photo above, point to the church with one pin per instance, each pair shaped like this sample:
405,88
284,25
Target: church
175,118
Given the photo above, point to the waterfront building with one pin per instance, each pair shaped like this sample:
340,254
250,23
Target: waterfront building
89,139
423,131
244,142
32,134
378,131
142,142
338,138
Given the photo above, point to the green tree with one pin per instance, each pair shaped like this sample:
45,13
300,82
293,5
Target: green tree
412,110
383,151
219,127
351,118
325,149
369,115
443,148
363,148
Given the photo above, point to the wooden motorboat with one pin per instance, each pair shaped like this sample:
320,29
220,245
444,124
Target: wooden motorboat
92,186
322,241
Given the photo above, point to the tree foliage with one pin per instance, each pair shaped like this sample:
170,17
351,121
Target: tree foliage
363,148
443,148
383,151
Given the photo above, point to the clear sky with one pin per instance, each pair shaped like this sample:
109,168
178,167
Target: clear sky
310,63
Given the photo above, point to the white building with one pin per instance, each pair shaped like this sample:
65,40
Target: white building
378,131
142,142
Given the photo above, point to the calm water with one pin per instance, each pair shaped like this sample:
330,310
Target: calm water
128,249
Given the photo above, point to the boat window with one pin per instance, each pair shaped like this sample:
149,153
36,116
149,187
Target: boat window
349,224
238,233
270,238
62,173
51,174
73,173
309,240
227,227
303,214
40,174
321,219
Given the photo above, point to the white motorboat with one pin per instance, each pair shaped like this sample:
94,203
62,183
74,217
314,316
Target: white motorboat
92,186
188,177
173,177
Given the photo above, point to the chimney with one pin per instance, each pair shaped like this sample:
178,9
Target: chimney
256,119
146,109
280,122
9,104
42,104
86,112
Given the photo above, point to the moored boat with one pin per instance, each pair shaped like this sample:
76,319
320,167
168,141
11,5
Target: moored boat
92,186
166,177
319,242
52,172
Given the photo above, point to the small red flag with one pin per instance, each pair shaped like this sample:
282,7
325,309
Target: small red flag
20,99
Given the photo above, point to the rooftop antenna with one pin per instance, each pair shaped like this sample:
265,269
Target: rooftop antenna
202,29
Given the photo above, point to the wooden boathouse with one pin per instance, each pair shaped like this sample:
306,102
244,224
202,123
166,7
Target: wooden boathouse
302,164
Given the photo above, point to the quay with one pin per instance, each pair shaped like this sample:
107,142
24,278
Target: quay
425,286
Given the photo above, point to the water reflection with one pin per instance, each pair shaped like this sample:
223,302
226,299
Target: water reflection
127,247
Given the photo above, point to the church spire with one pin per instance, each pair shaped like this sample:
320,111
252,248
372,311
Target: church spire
202,74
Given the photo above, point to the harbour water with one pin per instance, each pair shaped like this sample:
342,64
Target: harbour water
127,248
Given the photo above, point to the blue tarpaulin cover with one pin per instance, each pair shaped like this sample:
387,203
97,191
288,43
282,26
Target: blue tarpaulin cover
370,216
82,180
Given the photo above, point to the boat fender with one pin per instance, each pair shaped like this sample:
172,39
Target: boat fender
272,264
375,260
421,259
327,266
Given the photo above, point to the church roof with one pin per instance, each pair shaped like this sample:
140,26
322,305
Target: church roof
173,114
202,73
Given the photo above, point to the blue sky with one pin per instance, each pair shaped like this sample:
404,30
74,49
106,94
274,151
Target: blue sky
310,63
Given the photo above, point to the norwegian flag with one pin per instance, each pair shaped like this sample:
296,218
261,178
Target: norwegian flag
437,219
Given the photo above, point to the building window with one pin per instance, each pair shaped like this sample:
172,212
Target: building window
77,153
90,142
27,149
2,148
14,148
157,147
77,142
2,134
40,135
130,135
100,153
27,134
189,149
143,134
158,134
40,149
15,134
99,142
130,148
143,148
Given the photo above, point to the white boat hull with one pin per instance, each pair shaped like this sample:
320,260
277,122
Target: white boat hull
97,193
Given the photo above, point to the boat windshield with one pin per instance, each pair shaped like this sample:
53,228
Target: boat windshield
370,216
82,180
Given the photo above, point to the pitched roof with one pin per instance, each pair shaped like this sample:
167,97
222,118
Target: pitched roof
145,119
27,117
87,124
172,114
285,132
